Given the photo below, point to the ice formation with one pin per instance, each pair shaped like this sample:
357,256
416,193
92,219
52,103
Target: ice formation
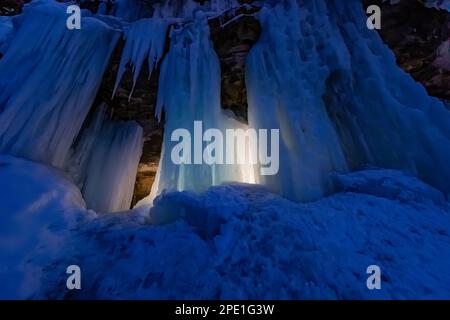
104,162
6,29
189,90
315,57
185,9
317,74
43,106
130,10
441,4
438,4
286,72
145,38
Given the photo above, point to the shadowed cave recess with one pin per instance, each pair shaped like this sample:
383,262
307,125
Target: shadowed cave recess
123,108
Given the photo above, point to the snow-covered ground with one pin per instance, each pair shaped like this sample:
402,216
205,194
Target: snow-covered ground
232,241
38,207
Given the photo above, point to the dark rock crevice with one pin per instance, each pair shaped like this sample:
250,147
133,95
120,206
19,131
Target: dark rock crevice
140,107
11,7
232,43
415,34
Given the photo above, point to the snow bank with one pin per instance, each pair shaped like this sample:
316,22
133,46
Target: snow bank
390,184
242,242
38,207
43,106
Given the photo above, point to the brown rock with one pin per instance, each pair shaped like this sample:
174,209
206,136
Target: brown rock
418,35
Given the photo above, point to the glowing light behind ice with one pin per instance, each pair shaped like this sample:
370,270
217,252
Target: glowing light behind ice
317,73
189,90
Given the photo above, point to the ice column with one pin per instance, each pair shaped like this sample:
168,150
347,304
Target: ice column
285,76
48,80
189,91
104,162
383,116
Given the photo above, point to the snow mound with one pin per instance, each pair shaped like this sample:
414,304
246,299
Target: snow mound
242,242
38,207
389,184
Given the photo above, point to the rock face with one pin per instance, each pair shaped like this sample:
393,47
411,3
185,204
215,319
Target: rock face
420,39
11,7
232,42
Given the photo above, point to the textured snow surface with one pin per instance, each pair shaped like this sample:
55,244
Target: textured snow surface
38,207
235,241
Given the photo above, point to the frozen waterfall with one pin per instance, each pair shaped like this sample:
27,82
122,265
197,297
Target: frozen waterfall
286,72
48,88
105,160
189,90
316,57
317,74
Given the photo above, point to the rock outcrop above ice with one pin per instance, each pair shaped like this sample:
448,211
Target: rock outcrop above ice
420,38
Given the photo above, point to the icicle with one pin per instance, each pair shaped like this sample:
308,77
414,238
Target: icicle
104,163
189,90
144,38
43,106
